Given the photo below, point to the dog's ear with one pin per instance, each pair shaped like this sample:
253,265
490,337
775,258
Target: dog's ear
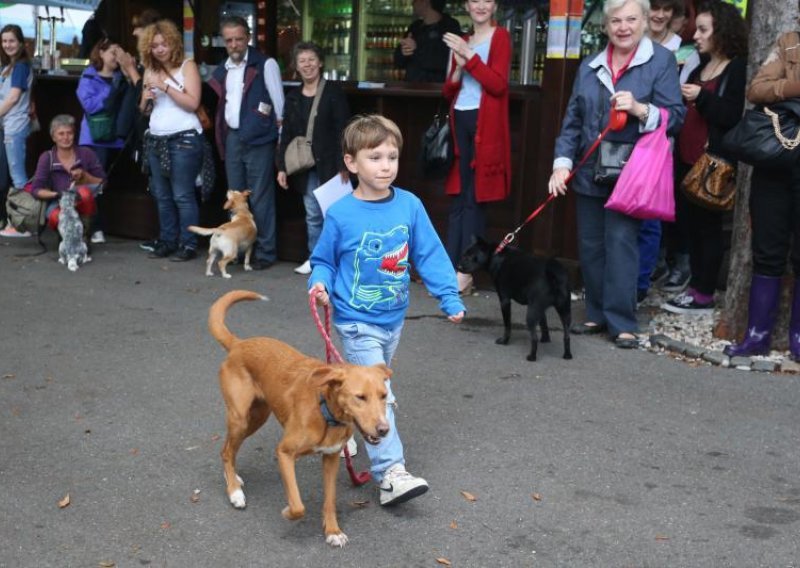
327,375
385,370
246,193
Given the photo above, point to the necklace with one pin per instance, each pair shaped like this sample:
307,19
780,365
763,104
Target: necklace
714,71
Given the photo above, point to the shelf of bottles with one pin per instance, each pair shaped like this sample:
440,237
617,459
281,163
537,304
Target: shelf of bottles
331,26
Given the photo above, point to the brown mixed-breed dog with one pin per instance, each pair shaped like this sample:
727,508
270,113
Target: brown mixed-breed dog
263,376
233,237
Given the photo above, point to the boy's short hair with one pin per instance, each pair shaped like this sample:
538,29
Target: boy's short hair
367,131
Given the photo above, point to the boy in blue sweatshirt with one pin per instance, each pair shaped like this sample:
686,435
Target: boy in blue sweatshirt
361,265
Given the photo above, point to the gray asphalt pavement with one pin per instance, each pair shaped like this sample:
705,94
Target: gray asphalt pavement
108,393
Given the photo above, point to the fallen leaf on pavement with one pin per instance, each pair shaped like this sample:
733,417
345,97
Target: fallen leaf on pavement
444,561
662,537
359,503
107,564
165,525
64,502
215,437
134,451
195,496
9,376
453,525
469,496
537,496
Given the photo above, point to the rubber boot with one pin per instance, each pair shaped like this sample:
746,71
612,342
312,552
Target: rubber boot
764,295
794,323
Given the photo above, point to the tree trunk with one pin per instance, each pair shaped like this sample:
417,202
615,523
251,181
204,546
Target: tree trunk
769,18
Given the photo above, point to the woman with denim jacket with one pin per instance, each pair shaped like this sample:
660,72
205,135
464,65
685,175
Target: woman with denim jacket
16,78
174,143
774,213
638,77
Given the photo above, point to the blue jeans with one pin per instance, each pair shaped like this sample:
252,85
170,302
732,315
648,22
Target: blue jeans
174,191
367,344
609,258
252,167
313,210
15,155
649,245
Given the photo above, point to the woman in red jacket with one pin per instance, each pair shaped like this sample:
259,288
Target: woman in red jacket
477,88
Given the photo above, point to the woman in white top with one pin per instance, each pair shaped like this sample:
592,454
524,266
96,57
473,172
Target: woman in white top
174,143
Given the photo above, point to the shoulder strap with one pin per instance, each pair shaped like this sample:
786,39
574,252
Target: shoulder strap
313,115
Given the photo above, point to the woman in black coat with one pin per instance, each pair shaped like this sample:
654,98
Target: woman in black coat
332,115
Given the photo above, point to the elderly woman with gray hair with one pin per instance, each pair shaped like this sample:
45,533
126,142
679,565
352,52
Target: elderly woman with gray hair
64,164
639,77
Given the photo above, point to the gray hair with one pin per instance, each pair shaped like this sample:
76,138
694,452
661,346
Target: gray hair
60,120
613,5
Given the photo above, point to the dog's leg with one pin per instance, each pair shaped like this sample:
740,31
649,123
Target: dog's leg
565,313
286,461
333,534
210,262
505,309
247,254
545,329
535,315
223,264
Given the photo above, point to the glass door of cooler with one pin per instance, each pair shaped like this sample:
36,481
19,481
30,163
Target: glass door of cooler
384,23
330,24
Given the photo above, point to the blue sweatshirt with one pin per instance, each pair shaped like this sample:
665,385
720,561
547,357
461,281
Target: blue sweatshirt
364,254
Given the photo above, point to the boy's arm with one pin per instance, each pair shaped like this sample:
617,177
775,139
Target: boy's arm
323,259
434,266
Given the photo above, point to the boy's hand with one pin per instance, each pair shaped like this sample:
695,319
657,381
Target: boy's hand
318,290
456,318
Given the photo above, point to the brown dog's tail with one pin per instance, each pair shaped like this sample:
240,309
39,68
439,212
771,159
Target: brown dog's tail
216,315
203,230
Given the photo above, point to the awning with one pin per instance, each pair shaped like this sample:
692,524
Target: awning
76,4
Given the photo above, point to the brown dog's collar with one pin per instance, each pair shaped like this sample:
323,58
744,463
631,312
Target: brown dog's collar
327,414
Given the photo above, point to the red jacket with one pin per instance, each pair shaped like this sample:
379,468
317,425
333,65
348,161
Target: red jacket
492,160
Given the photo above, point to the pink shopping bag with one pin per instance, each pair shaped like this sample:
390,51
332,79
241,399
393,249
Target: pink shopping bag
644,189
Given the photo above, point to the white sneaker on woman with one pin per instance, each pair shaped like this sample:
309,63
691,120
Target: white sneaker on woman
304,268
11,232
98,237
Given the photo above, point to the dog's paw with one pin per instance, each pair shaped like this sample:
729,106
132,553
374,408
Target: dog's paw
337,539
567,355
226,275
72,265
209,273
87,259
290,515
237,499
531,357
61,260
501,341
248,268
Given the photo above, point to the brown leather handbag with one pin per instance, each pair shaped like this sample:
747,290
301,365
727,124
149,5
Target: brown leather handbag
711,183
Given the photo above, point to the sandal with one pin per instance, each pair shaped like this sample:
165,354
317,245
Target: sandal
588,328
631,342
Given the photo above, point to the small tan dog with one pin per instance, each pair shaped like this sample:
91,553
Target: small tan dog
232,237
318,405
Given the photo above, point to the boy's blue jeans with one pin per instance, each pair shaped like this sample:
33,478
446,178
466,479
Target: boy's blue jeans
367,344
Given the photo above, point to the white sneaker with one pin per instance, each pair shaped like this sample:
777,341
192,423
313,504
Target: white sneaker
352,447
11,232
304,268
398,486
98,237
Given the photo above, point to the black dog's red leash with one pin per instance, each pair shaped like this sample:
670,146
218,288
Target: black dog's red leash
617,120
332,355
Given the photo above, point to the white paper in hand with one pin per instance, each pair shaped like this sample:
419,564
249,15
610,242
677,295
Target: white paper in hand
332,191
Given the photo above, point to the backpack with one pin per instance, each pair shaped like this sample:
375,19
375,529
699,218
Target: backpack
25,212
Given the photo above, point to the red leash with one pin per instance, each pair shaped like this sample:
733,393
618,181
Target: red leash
616,121
332,356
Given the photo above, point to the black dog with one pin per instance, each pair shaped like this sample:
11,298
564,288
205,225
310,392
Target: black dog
533,282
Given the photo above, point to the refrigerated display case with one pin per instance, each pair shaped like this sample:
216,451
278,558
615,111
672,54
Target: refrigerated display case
384,23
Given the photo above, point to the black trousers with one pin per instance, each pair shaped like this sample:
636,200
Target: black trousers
467,217
705,239
775,218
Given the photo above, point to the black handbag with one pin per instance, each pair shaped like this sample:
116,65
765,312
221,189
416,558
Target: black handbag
611,158
437,146
767,137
